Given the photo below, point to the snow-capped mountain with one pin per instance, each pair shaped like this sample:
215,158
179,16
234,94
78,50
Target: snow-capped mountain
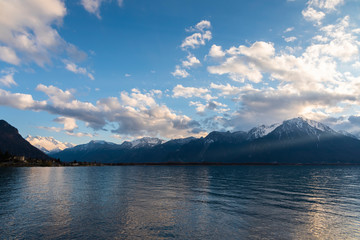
94,144
345,133
180,141
297,140
143,142
300,127
48,144
261,131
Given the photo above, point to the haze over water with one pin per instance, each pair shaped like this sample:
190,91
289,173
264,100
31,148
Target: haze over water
184,202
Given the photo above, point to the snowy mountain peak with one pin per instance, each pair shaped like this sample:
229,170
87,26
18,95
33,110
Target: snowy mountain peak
48,144
301,127
146,142
261,131
301,122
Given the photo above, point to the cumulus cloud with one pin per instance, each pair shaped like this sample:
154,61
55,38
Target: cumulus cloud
329,5
134,113
190,92
210,105
200,37
27,30
190,61
196,40
311,14
179,72
309,83
69,123
216,51
72,67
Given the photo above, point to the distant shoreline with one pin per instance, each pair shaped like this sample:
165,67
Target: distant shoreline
183,164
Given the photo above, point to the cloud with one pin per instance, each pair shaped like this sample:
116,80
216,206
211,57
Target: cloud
190,92
69,123
8,78
290,29
309,83
210,105
20,101
28,31
93,6
72,67
79,134
179,72
329,5
290,39
200,26
51,129
216,51
226,90
200,37
196,40
127,75
191,61
312,15
134,113
8,55
337,41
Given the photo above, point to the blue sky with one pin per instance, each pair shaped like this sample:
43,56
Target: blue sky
121,70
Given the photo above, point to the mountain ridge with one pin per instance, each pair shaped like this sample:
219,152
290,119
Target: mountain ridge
296,140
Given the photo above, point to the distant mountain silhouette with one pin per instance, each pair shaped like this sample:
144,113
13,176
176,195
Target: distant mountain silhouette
13,143
293,141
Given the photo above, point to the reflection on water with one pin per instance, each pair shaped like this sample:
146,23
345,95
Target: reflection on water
187,202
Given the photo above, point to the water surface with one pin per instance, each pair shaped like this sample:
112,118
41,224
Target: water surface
183,202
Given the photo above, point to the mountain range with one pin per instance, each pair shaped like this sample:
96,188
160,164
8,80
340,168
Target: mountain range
294,141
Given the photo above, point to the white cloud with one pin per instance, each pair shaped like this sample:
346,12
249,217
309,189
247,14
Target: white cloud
189,92
127,75
28,32
20,101
8,78
196,40
310,14
216,51
135,113
8,55
200,37
356,65
93,6
329,5
290,39
79,134
226,90
69,123
179,72
200,26
72,67
289,29
342,43
210,105
191,61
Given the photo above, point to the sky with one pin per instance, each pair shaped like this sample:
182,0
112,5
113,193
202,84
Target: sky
119,70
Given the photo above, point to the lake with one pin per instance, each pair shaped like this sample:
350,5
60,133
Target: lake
182,202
